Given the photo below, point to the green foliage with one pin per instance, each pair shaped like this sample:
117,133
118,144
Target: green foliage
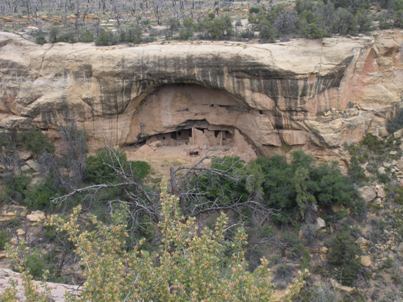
86,36
187,30
355,171
292,187
343,257
100,168
53,34
396,123
16,187
105,38
40,37
216,28
189,264
39,196
4,239
35,264
267,31
132,34
35,141
318,19
287,188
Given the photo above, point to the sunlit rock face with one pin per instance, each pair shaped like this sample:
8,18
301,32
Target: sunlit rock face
302,93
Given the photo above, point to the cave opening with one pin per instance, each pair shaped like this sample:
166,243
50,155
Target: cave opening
184,121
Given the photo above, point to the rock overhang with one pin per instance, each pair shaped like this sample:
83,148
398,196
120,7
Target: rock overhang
290,82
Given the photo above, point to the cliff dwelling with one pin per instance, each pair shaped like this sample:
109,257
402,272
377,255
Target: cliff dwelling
187,121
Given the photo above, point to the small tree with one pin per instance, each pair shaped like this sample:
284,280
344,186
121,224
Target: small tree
189,265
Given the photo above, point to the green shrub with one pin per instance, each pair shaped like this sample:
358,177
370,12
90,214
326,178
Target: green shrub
226,183
292,187
105,38
288,189
53,34
16,187
187,30
99,168
267,32
216,28
35,141
185,266
373,143
343,257
132,34
86,37
40,38
67,37
39,196
35,264
4,239
355,171
396,123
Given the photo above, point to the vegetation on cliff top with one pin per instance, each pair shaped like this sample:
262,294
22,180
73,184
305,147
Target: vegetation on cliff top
136,22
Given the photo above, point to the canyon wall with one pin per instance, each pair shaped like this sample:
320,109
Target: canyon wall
306,93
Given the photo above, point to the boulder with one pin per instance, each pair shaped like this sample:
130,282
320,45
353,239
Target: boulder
57,291
398,134
381,170
380,191
25,155
320,223
367,193
366,261
36,216
363,243
34,165
342,288
7,216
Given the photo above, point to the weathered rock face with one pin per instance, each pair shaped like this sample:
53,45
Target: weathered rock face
299,93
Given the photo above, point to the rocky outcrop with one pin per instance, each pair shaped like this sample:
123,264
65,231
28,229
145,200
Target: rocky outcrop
298,93
55,291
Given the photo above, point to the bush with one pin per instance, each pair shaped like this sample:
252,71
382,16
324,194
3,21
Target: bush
35,141
187,265
217,28
40,38
355,171
67,37
396,123
39,196
35,264
16,187
100,168
267,31
222,187
4,238
86,36
187,30
105,38
343,257
292,188
53,35
132,34
289,189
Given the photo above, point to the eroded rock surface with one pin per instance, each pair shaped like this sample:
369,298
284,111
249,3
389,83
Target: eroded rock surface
57,292
300,93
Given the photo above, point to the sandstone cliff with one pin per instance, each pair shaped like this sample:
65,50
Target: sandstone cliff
299,93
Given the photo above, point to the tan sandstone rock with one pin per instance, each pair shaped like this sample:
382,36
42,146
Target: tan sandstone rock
273,94
36,216
366,261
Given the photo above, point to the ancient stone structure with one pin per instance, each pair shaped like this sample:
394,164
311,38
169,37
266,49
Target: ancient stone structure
258,98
